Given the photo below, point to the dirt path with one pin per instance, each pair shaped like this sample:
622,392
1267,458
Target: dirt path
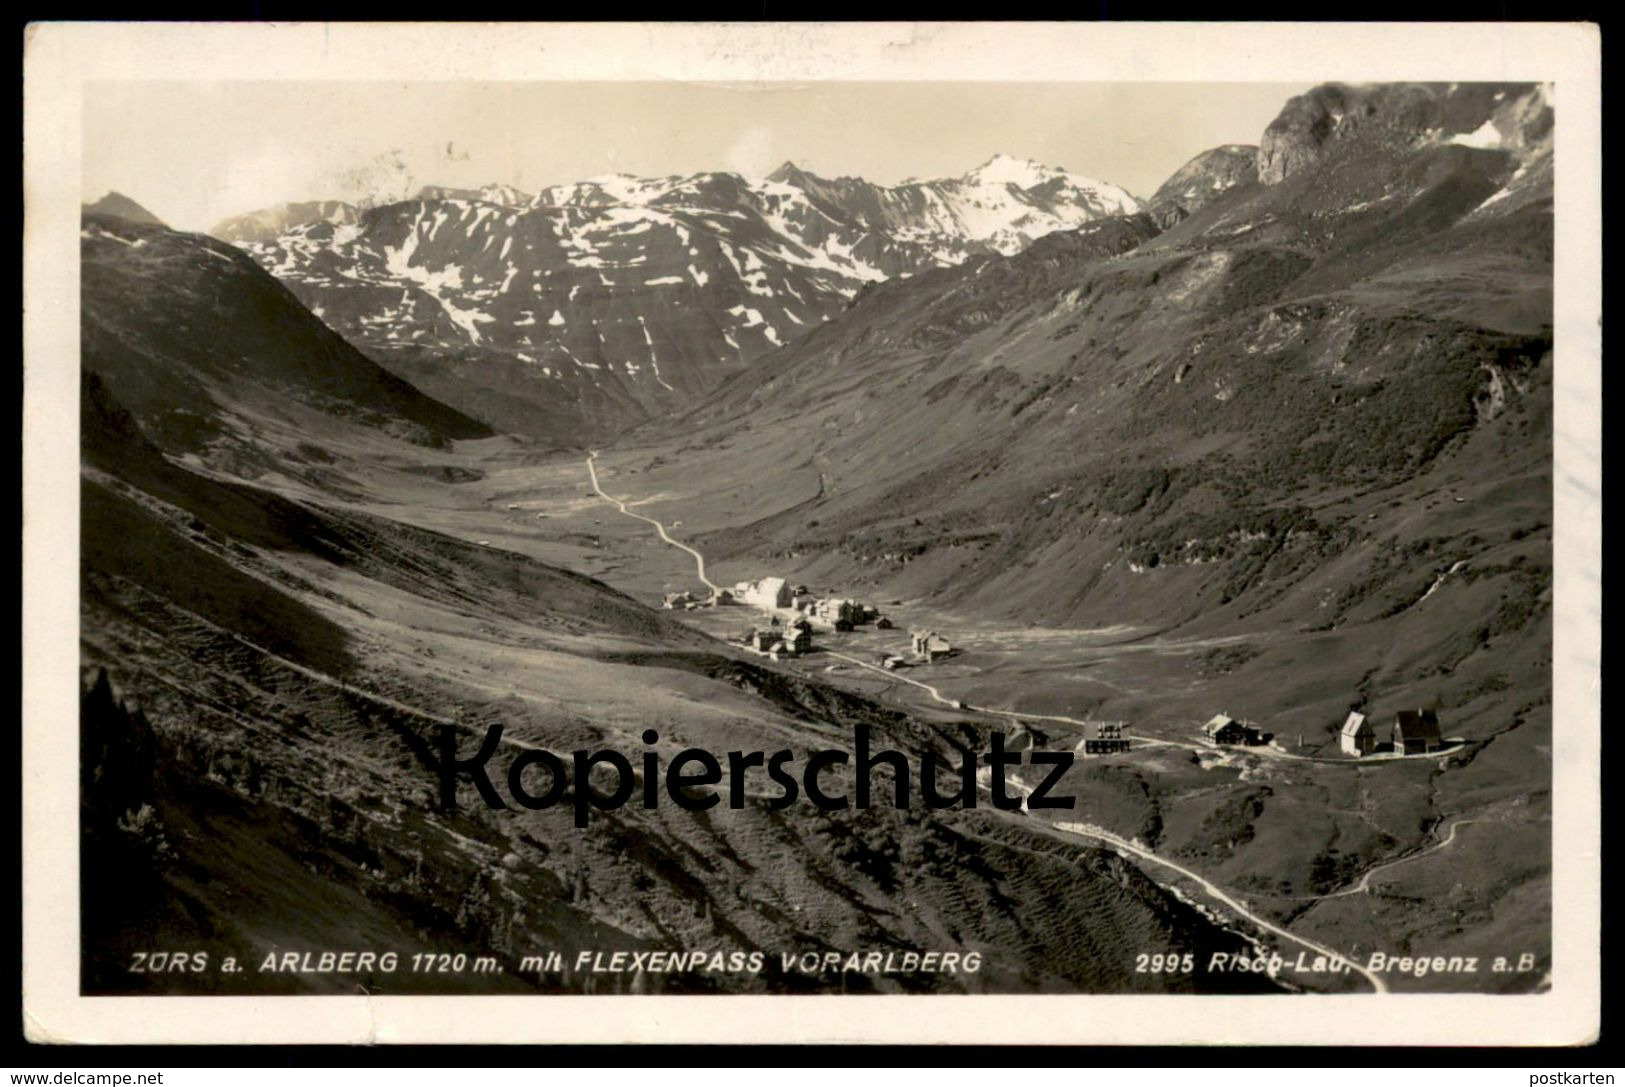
1363,886
699,559
1188,745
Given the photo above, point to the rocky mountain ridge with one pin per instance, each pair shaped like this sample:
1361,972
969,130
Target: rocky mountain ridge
592,305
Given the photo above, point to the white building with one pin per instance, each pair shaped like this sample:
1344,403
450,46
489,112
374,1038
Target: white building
837,610
769,592
1358,737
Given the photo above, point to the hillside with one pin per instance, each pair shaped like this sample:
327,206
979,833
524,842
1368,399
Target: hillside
1164,416
180,327
1201,181
122,207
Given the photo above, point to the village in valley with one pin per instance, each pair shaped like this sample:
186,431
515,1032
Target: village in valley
1260,799
795,615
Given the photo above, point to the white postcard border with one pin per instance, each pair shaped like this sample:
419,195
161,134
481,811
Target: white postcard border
60,58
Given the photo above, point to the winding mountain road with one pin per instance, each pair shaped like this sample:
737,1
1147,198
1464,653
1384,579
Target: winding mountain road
1151,741
1219,894
699,559
1364,884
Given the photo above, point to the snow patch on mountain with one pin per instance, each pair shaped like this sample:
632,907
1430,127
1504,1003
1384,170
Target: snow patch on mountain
1486,136
598,260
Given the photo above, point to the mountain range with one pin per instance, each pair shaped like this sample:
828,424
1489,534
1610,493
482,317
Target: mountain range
590,306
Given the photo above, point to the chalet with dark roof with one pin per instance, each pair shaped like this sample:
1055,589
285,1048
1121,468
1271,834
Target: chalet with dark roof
1416,732
1225,731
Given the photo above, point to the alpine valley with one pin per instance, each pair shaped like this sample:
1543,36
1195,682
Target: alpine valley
1272,444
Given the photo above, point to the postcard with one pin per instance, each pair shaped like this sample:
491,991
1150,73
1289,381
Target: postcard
812,532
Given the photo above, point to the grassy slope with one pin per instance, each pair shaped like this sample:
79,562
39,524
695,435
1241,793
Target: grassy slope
177,323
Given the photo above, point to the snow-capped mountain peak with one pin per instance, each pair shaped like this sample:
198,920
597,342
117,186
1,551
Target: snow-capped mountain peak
605,190
497,193
1004,169
619,294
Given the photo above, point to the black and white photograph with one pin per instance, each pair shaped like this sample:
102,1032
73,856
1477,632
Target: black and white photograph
794,537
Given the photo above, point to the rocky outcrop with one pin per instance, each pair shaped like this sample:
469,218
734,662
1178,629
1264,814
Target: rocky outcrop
1295,137
1201,180
1524,123
1398,117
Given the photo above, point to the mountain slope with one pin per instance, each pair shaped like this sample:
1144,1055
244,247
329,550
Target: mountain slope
121,206
1201,181
267,224
1301,408
1289,456
1386,305
505,195
597,304
178,326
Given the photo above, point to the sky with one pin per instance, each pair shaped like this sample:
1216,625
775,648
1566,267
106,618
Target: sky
195,153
